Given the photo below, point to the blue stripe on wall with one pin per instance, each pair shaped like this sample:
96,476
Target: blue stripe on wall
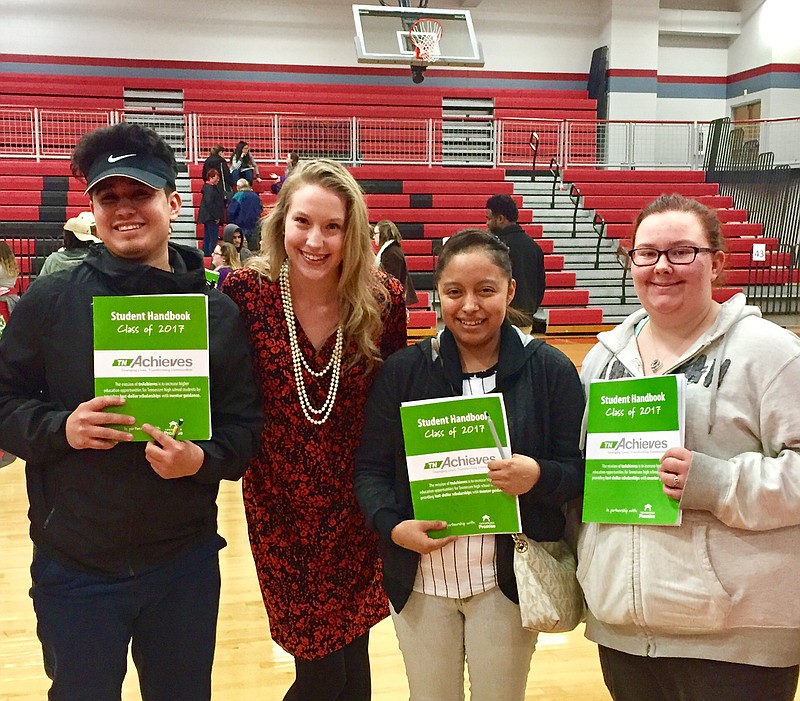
696,91
632,85
435,77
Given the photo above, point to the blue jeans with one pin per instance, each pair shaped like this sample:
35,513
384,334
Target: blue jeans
210,237
85,622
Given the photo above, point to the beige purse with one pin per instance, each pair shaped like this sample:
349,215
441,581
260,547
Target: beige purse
550,598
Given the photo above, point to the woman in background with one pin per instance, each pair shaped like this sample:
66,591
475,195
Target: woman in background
390,257
321,321
243,165
455,599
212,210
224,259
707,610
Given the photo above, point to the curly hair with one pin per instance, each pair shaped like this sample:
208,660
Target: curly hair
126,136
362,295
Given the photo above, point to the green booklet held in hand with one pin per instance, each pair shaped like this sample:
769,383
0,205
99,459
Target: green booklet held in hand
448,444
630,424
153,350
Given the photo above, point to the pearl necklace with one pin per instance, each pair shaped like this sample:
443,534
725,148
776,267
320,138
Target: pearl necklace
299,362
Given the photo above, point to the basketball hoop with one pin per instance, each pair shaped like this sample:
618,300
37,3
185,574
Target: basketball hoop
426,34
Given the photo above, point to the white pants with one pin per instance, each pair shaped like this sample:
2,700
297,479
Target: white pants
437,634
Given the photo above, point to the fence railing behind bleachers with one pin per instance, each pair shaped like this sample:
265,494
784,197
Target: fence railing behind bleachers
50,133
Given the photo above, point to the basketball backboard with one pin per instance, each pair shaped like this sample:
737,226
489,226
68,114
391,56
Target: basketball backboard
382,35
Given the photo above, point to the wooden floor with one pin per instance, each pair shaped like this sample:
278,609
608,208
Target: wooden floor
248,665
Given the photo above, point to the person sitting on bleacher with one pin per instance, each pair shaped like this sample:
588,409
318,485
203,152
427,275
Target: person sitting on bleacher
79,235
9,272
232,233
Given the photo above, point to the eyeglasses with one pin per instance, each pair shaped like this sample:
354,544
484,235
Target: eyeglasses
677,255
217,253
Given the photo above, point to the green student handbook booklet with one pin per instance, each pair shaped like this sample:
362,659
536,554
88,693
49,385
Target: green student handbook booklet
631,423
448,445
153,350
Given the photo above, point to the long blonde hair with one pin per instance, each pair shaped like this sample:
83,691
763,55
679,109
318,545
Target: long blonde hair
9,270
362,296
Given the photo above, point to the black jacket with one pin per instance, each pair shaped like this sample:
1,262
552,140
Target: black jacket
218,162
393,261
527,267
107,510
212,205
544,403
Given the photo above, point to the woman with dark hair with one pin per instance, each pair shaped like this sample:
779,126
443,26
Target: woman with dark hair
321,320
212,211
291,163
706,610
243,164
390,257
455,599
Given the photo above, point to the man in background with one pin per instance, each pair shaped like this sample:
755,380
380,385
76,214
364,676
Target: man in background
527,259
79,234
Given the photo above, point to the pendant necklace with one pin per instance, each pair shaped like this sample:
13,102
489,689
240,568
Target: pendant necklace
334,365
655,365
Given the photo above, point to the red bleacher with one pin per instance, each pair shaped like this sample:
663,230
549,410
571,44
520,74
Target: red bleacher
618,195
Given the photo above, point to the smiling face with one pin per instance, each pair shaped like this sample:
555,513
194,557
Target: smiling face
314,228
475,293
217,259
133,220
675,292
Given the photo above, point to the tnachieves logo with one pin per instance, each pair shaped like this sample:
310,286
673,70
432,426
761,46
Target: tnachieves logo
624,444
151,361
433,465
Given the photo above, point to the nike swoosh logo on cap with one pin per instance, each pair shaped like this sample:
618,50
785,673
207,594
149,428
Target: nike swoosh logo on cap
114,159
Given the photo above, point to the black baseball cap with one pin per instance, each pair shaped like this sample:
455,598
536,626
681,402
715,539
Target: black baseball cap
142,167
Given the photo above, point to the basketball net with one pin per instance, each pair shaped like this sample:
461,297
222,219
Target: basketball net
426,34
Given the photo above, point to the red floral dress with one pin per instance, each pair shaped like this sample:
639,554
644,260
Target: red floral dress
317,562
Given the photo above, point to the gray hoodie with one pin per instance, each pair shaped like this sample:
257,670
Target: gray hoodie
725,585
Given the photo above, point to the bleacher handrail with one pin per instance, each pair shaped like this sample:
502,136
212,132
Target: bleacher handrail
39,133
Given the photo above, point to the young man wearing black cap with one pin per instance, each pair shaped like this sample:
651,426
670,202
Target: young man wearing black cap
125,538
527,258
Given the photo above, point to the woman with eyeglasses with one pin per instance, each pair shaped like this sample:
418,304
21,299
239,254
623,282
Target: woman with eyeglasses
707,610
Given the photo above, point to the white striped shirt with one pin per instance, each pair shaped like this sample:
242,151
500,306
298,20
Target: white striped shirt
467,566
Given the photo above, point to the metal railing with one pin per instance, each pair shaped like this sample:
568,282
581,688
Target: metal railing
42,134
